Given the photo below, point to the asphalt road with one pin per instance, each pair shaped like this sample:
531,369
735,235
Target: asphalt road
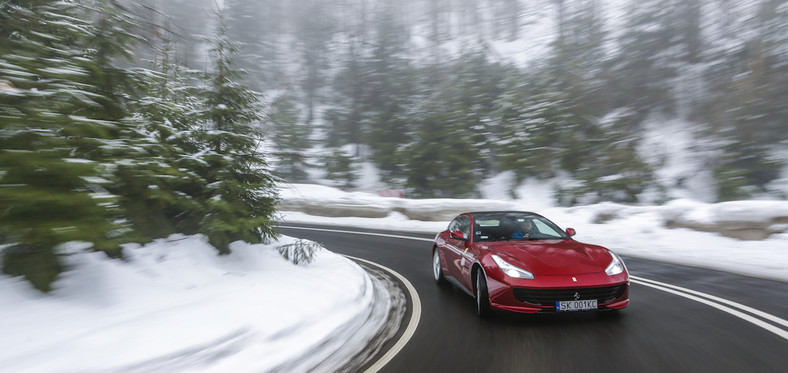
659,332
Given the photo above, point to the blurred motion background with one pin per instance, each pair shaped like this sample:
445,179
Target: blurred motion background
118,117
608,100
628,101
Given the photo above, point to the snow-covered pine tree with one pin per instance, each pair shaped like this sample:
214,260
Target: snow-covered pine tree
240,195
530,123
50,189
641,72
164,196
290,138
745,108
339,167
387,90
258,25
440,162
138,164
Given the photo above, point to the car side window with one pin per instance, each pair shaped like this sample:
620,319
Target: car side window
462,224
454,225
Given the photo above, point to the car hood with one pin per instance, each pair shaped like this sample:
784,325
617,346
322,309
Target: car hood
555,257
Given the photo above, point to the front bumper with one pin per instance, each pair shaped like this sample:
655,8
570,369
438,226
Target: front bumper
541,293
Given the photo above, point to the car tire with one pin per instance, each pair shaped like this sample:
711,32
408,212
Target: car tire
482,296
437,267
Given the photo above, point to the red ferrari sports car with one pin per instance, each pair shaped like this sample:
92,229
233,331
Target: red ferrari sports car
522,262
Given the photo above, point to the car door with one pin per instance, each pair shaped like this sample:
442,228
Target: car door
467,254
455,247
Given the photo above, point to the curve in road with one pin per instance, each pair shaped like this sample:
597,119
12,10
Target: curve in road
413,323
690,343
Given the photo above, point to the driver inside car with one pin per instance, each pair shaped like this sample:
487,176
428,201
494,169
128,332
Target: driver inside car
526,230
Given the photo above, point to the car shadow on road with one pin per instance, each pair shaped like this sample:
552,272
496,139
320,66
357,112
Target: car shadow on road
556,318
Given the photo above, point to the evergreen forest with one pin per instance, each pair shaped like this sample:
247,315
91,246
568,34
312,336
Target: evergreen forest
440,95
130,120
99,148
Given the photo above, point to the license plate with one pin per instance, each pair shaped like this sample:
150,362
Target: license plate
576,305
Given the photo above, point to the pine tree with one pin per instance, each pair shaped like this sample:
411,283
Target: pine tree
315,34
387,93
576,62
290,138
604,160
344,120
478,84
188,18
745,109
443,160
339,167
257,24
164,199
240,197
50,186
547,130
134,161
641,74
531,123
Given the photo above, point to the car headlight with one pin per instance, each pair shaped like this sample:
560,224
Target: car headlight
511,270
616,266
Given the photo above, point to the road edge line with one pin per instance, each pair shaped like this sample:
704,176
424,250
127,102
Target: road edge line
413,323
358,232
753,311
757,322
700,297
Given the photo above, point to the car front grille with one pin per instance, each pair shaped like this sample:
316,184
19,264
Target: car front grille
548,297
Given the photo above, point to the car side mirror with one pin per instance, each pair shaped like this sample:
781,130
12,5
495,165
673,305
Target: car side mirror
571,232
457,235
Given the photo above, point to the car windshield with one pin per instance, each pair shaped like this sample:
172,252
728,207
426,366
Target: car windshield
513,226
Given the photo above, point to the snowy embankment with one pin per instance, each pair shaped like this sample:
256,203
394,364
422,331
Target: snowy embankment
175,305
745,237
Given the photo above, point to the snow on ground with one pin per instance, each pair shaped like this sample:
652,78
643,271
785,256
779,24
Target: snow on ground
640,232
175,305
637,231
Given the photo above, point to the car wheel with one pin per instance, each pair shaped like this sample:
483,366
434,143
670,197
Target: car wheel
437,270
482,297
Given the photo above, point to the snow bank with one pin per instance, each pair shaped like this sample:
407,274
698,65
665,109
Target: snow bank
745,237
325,201
739,219
175,305
745,220
748,220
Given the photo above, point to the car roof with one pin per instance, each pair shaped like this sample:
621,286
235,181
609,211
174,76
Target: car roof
475,213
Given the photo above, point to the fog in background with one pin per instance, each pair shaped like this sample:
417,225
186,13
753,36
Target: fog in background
439,95
171,134
131,120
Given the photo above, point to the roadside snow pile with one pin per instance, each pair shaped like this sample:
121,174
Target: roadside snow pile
175,305
746,220
746,237
640,231
749,220
326,201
